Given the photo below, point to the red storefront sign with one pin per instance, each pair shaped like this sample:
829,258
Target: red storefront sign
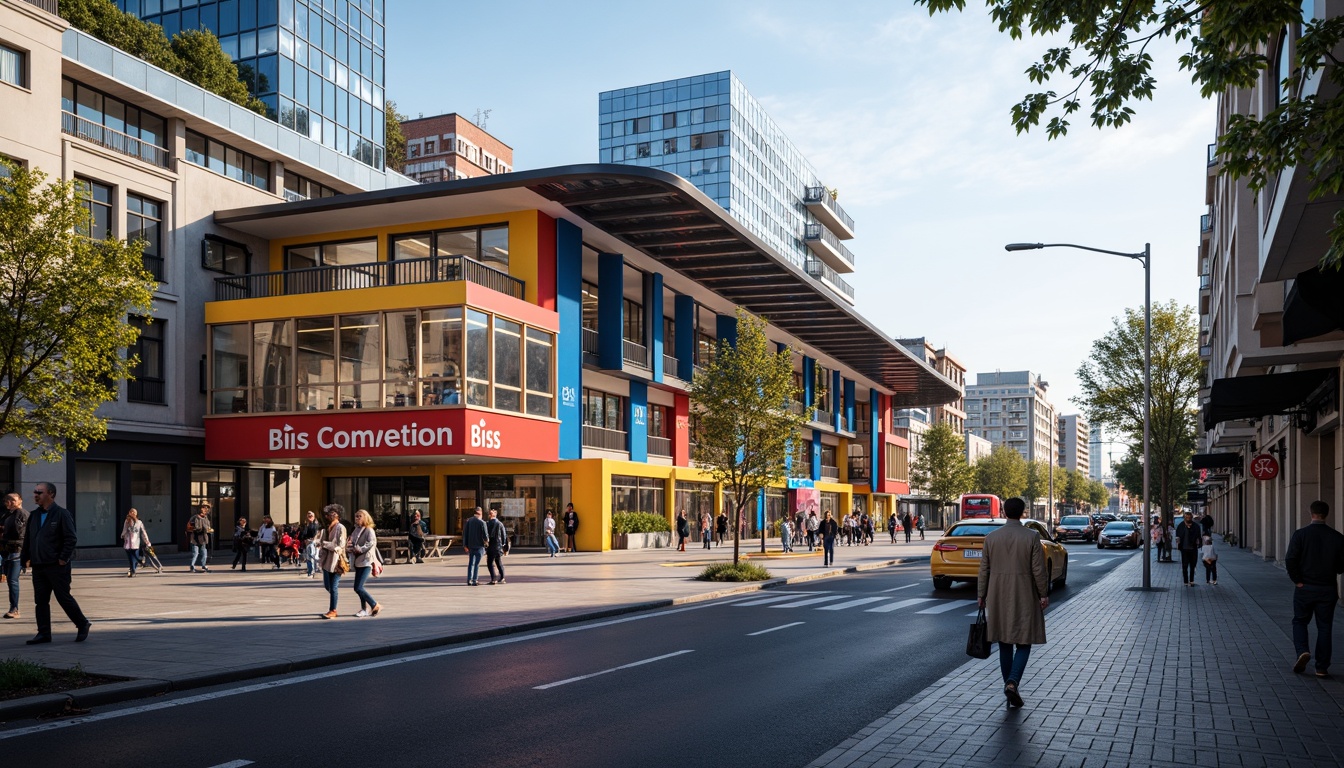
1264,467
347,434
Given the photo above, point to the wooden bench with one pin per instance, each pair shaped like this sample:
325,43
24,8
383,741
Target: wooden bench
396,548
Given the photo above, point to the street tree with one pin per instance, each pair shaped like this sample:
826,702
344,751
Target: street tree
1037,484
747,431
1074,491
1103,58
63,315
1003,473
1098,495
1129,473
939,468
1111,380
394,136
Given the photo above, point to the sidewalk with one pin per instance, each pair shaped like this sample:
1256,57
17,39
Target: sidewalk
179,630
1107,688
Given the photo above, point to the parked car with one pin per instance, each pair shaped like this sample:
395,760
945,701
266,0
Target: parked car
1075,528
1120,533
956,555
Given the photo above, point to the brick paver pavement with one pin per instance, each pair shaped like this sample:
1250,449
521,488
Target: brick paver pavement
1111,688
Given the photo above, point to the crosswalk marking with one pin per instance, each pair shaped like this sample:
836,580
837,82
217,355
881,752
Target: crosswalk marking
851,603
896,606
950,605
773,599
810,601
1102,562
898,589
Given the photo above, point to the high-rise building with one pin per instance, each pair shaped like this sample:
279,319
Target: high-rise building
709,130
1094,443
1011,408
318,66
1071,443
952,414
448,147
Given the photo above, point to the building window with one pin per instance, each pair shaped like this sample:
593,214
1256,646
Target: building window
638,494
95,498
220,255
429,147
227,161
487,245
478,358
601,409
114,124
331,254
152,497
660,421
13,66
148,384
633,322
97,199
540,377
144,221
589,306
299,188
508,365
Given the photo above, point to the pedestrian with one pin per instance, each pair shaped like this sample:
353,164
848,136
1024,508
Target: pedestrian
867,529
571,523
1170,533
243,537
552,546
1155,533
268,537
475,538
798,524
1206,523
1314,560
721,527
308,536
919,523
48,544
1012,589
706,529
829,530
847,526
813,525
415,535
1188,541
892,524
785,535
133,539
498,546
198,536
12,529
331,542
1210,557
683,530
362,550
907,525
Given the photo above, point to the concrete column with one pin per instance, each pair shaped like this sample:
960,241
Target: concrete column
569,342
684,320
653,292
610,309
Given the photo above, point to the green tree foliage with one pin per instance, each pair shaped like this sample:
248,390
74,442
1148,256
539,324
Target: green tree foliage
1074,490
1111,380
939,467
63,311
1129,472
1037,482
747,431
395,138
193,54
1103,59
1003,473
1098,495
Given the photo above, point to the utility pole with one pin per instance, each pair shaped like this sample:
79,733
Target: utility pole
480,117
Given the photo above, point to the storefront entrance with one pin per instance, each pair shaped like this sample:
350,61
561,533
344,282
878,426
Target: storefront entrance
521,501
390,500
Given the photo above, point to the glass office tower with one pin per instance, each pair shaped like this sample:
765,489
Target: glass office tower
710,130
317,64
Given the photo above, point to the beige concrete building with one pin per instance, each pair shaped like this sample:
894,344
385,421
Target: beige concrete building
952,414
1011,408
1072,443
448,147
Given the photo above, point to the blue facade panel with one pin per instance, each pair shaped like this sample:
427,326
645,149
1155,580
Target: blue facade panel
610,309
726,327
654,291
637,417
836,410
816,455
568,343
848,422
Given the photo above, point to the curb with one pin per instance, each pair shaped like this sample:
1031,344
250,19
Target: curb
128,690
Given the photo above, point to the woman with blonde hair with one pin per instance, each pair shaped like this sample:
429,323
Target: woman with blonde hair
363,548
331,544
133,538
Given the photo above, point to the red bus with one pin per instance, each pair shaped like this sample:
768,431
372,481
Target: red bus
981,505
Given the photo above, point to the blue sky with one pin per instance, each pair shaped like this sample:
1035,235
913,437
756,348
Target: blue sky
906,115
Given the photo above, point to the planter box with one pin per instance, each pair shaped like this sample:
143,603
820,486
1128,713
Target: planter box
641,540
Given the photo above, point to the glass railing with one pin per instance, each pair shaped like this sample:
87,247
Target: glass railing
818,232
814,195
1213,154
822,271
115,140
433,269
293,197
1206,222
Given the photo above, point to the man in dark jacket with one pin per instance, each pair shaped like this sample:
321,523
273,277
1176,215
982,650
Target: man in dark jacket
475,538
416,536
48,545
721,527
497,547
1188,538
571,523
14,525
1314,561
1206,523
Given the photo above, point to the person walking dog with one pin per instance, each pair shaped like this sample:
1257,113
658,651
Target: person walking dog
1012,590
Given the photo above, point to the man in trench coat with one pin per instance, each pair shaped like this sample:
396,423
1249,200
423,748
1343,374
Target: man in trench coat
1012,589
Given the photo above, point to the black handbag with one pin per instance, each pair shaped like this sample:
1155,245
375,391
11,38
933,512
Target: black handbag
977,642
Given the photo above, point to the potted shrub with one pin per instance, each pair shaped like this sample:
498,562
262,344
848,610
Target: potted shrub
639,530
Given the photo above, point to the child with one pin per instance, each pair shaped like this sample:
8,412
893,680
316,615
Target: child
1210,558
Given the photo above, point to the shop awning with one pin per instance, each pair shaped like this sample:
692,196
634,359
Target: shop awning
1215,460
1313,307
1250,397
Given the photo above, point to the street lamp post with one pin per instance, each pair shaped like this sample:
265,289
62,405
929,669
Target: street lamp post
1145,257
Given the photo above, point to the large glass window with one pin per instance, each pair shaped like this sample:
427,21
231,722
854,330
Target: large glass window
228,161
96,502
402,353
230,382
300,188
638,494
148,383
97,200
694,499
114,124
315,365
144,221
633,322
441,338
478,358
272,345
360,362
152,497
220,255
540,373
508,365
488,245
602,409
12,66
332,254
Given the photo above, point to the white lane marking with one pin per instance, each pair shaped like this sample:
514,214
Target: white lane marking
772,629
774,599
973,614
898,589
1071,560
608,671
167,613
57,725
1101,562
899,605
810,601
851,603
951,605
233,764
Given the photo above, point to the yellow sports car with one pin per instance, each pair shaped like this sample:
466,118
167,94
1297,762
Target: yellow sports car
956,556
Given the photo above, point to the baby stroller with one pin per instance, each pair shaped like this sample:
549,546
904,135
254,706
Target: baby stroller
151,558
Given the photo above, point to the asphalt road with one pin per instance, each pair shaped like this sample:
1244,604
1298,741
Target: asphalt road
774,679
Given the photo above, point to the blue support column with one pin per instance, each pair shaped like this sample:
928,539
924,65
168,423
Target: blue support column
569,342
836,410
610,309
760,514
637,420
848,421
653,291
816,455
727,329
809,380
874,418
685,335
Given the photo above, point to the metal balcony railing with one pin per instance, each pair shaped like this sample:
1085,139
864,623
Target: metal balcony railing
1205,282
797,407
1205,223
47,5
114,140
858,469
821,270
1213,154
823,417
822,195
634,353
433,269
590,343
829,472
660,446
601,437
671,366
818,232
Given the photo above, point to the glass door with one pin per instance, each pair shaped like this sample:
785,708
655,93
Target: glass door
463,495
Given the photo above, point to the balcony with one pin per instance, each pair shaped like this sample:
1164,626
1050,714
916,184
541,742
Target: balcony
822,242
433,269
47,5
1213,156
797,408
1205,223
603,438
829,472
634,353
591,346
828,277
858,469
294,197
823,417
115,140
660,446
822,205
671,367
